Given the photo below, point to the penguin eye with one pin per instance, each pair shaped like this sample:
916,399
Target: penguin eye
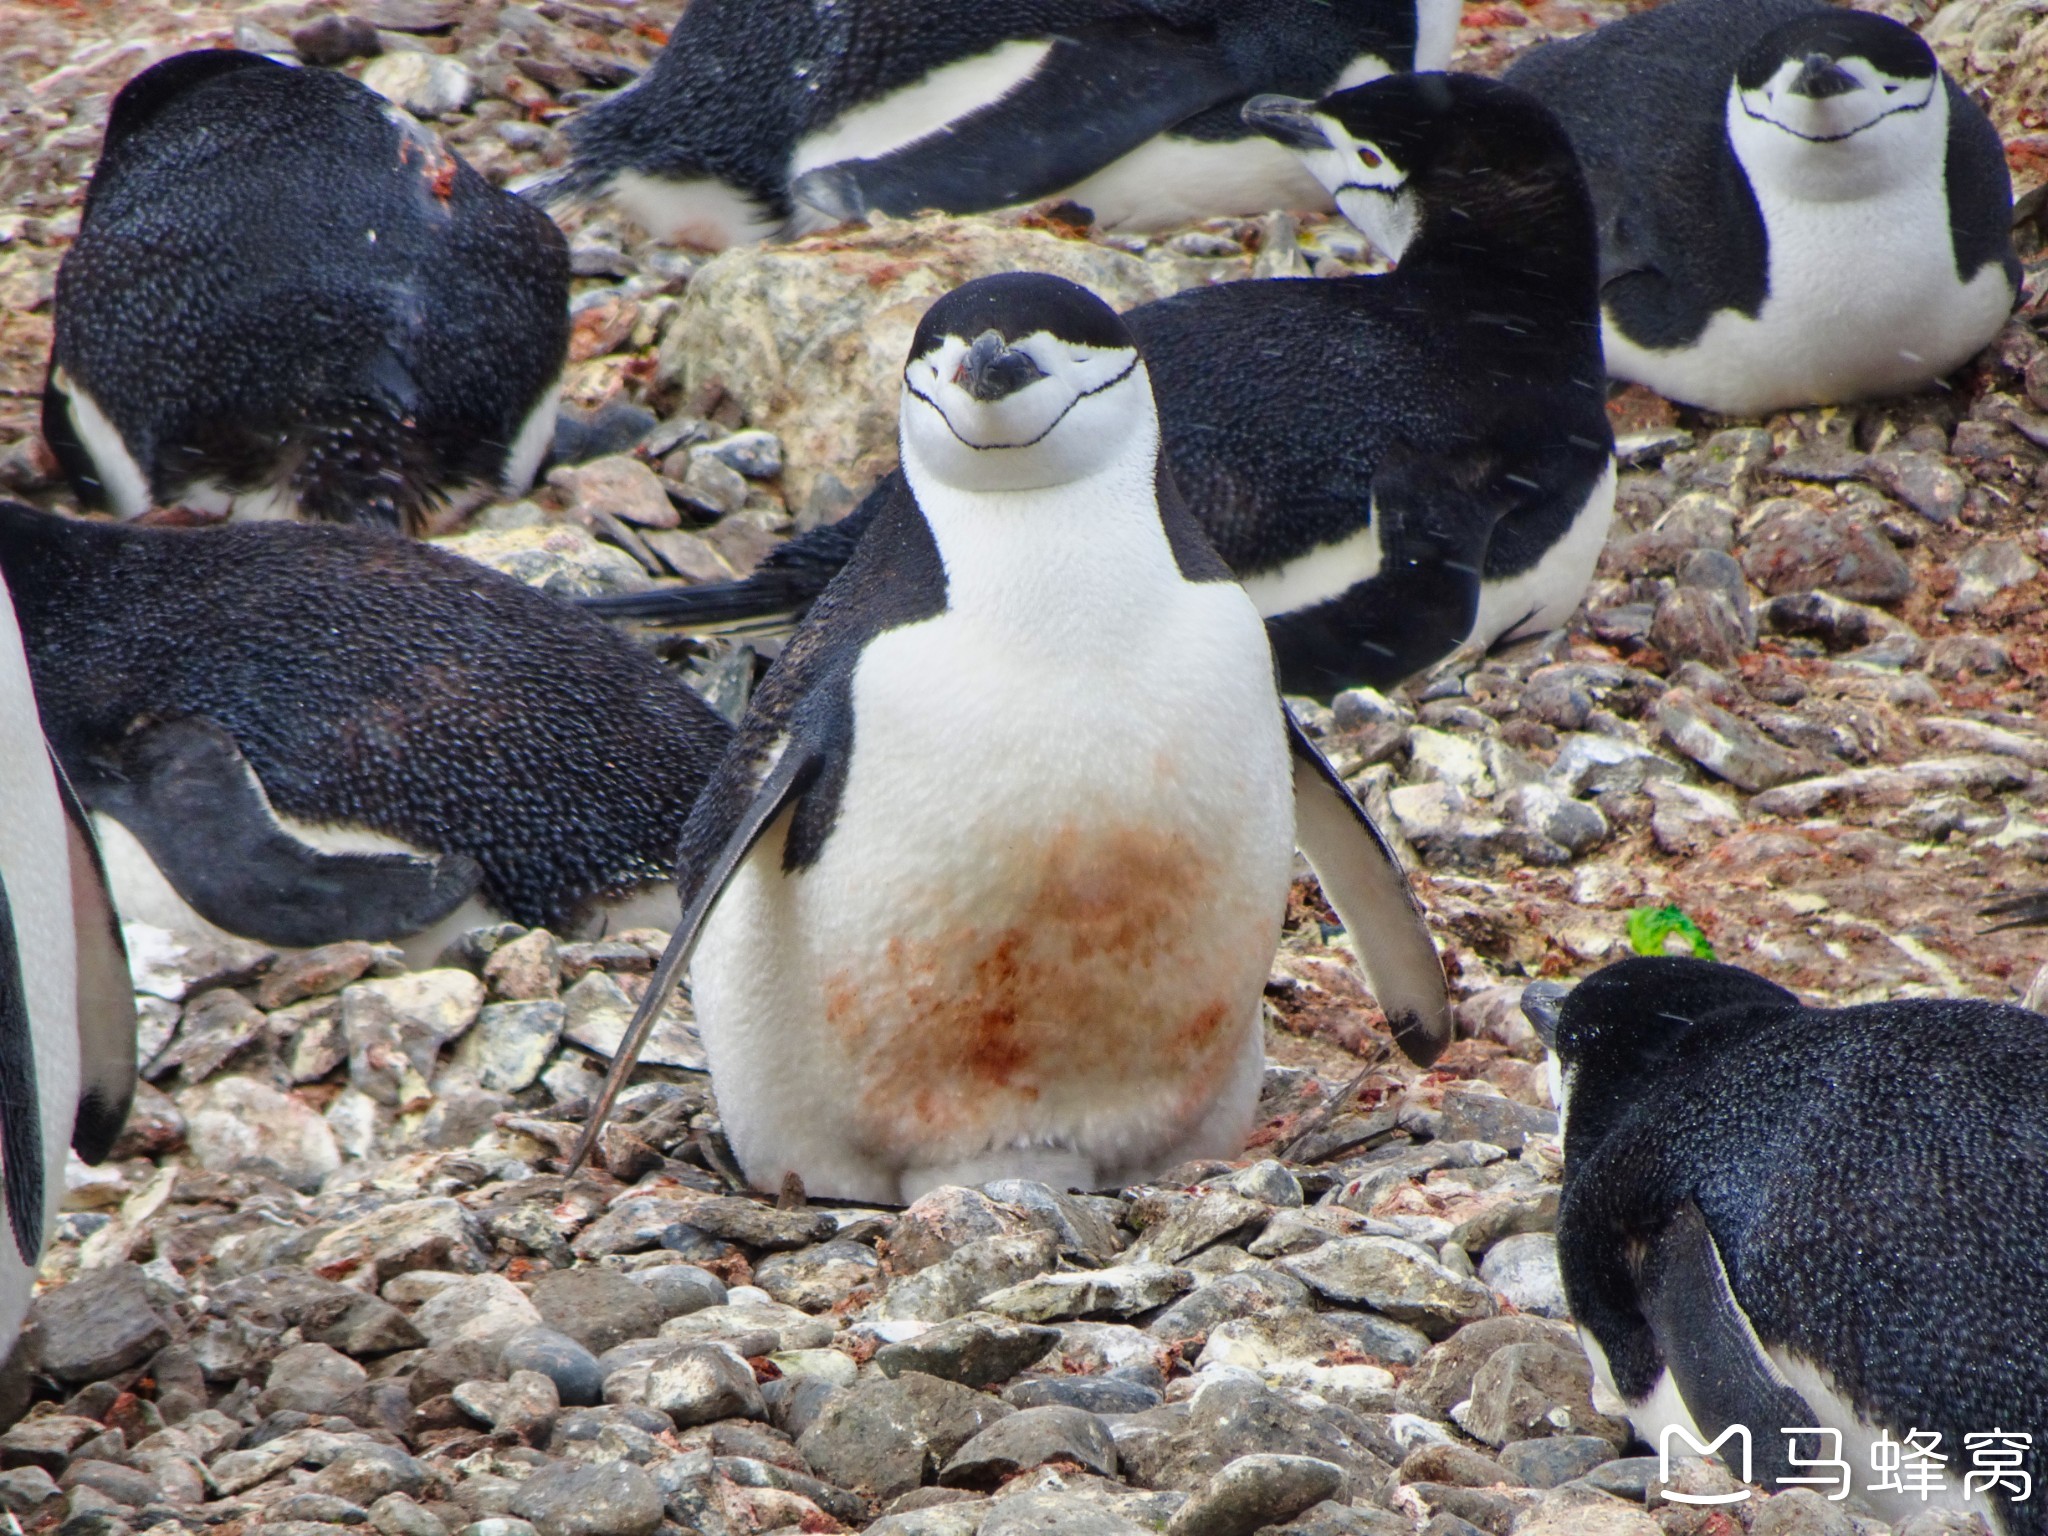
1370,158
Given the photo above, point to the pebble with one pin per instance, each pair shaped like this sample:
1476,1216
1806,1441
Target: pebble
425,84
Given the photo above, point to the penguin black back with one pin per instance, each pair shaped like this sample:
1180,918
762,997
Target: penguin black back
285,289
374,682
1874,1178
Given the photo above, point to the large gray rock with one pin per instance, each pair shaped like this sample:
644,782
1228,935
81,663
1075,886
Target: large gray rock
240,1123
1234,1417
809,338
702,1383
1030,1438
1800,548
310,1378
1123,1290
818,1278
974,1351
1523,1269
1397,1277
1256,1491
1529,1390
598,1308
958,1282
605,1499
101,1323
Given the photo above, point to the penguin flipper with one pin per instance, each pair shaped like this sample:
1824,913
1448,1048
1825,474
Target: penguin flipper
191,799
1364,882
21,1128
1097,95
1713,1354
794,771
106,995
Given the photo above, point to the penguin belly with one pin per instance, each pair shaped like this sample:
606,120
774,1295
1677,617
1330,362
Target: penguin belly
1864,301
1169,181
1036,936
35,865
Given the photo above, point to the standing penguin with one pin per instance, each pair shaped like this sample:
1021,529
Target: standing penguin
1394,466
1797,206
67,1014
288,298
303,734
991,881
1779,1216
780,116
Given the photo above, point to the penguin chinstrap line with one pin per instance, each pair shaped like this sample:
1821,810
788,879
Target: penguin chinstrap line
991,881
67,1009
766,117
1781,1216
287,298
1394,466
1797,206
302,733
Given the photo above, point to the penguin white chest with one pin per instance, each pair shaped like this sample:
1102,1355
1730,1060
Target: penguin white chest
1864,298
1036,937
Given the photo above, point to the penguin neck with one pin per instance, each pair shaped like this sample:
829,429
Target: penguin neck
1526,240
1065,566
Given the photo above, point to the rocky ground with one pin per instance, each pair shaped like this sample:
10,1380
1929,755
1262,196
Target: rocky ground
334,1276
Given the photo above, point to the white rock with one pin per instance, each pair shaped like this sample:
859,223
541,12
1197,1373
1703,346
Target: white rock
425,84
239,1122
486,1308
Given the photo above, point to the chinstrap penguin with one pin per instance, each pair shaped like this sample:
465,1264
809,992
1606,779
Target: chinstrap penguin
1797,206
307,733
67,1012
765,117
991,881
1780,1217
287,298
1395,465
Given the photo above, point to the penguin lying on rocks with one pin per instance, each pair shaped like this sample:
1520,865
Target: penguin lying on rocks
1787,1217
1394,466
766,117
991,881
1797,206
305,733
67,1012
288,298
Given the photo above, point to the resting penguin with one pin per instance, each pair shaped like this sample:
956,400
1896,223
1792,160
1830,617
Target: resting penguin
1394,466
991,881
288,298
67,1013
1780,1216
308,733
766,117
1796,205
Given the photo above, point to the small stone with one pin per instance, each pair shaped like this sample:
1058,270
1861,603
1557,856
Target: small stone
598,1308
574,1370
313,972
524,1404
938,1224
590,1499
1234,1417
216,1027
527,969
1799,548
1470,1115
510,1045
882,1436
1394,1276
1195,1224
24,1491
1581,1511
1444,1375
818,1279
1686,819
486,1308
1558,1459
1256,1491
1085,1227
702,1383
396,1027
1528,1390
98,1325
398,1515
1957,658
1987,569
364,1473
1120,1291
1923,481
1523,1269
425,84
620,485
1629,1477
237,1124
1800,1512
599,1013
1030,1438
1695,624
974,1351
680,1289
712,483
1726,745
1096,1394
1055,1513
1572,824
757,455
331,40
1453,1465
958,1282
309,1378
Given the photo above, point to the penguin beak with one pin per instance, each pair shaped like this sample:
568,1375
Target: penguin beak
1542,1003
1821,77
1287,120
992,369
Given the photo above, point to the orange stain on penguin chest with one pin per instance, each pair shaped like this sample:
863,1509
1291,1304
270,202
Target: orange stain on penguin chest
1103,966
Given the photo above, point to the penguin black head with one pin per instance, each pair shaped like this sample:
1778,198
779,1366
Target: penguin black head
1615,1031
1404,153
1816,83
1021,381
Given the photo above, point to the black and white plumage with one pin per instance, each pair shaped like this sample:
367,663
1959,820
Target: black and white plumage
307,733
1797,206
67,1014
288,298
990,883
1783,1216
1396,465
767,117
